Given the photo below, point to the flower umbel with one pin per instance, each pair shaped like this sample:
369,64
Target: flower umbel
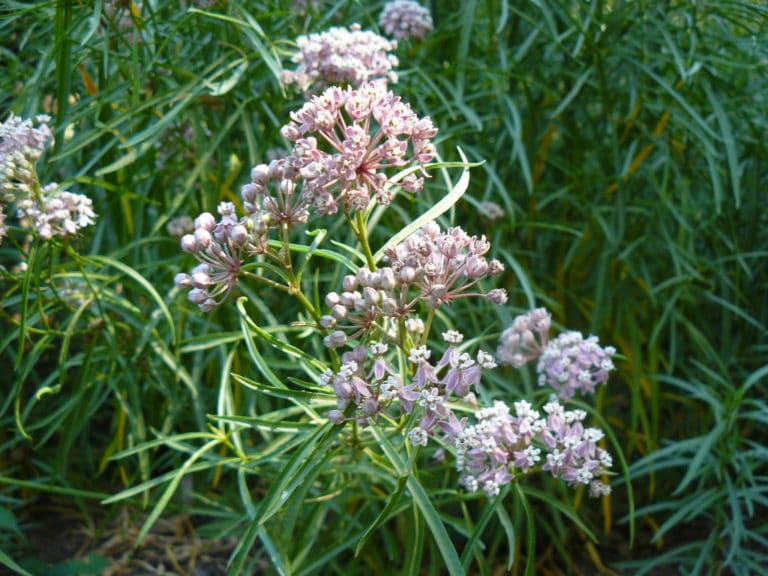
21,145
219,246
344,141
342,56
503,445
571,363
523,341
56,212
404,19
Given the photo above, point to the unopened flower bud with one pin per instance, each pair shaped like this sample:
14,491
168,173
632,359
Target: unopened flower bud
386,279
249,193
363,275
389,306
202,238
331,299
438,290
339,312
336,417
407,275
327,321
197,296
349,283
260,174
370,296
205,221
287,187
370,407
200,280
182,280
335,339
189,244
348,299
238,234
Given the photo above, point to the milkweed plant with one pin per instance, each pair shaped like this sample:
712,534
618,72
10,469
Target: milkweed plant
381,405
390,377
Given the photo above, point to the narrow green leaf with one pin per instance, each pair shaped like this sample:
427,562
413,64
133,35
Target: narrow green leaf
285,393
170,490
9,563
392,502
572,93
442,206
729,140
143,282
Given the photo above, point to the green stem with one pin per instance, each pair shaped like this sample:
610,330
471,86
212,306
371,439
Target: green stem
361,232
427,327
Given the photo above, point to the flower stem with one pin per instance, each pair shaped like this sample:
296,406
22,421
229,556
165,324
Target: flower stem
362,235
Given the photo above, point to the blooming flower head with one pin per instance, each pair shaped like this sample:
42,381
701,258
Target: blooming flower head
524,340
345,141
571,363
506,443
21,145
342,56
55,212
404,19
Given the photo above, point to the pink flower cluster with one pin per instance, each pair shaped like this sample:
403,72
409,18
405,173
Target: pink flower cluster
55,212
220,247
345,140
568,364
366,385
430,266
444,265
571,363
342,56
502,445
49,210
404,19
524,340
21,145
490,453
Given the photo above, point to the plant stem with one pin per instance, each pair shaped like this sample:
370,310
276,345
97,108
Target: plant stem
362,235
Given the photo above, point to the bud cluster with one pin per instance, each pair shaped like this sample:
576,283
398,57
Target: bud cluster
285,204
341,56
180,226
405,19
502,445
344,140
524,340
219,246
444,265
429,267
